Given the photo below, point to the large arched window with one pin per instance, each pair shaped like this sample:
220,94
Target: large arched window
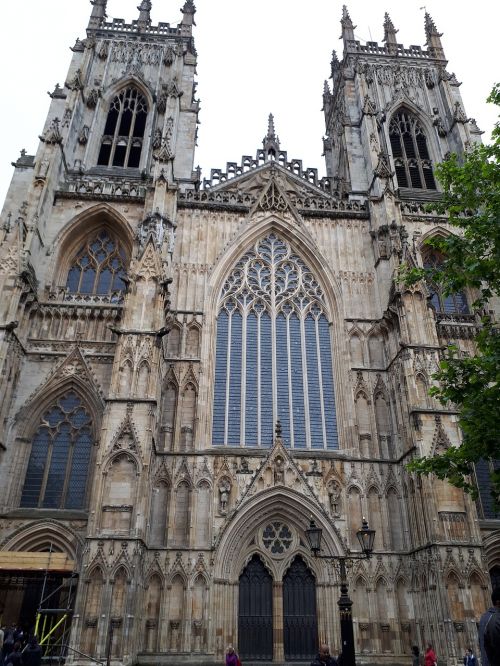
410,153
455,303
273,358
124,131
98,267
58,466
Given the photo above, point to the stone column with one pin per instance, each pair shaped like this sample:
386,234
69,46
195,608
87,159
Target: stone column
278,646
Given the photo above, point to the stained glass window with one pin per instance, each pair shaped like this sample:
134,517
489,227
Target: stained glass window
98,267
124,131
410,153
273,357
60,456
455,303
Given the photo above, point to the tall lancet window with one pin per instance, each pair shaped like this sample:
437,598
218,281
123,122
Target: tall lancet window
273,358
121,144
410,153
61,449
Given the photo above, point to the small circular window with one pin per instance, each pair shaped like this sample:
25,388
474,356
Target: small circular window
277,538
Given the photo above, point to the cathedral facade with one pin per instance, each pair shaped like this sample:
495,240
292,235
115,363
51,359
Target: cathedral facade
192,368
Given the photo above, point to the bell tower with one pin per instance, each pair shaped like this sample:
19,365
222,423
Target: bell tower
370,85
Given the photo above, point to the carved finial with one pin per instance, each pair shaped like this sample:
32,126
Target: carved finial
188,12
389,30
271,142
433,37
144,20
278,429
347,26
98,13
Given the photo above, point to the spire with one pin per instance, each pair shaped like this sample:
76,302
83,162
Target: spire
347,26
271,142
144,20
98,13
188,11
433,37
389,31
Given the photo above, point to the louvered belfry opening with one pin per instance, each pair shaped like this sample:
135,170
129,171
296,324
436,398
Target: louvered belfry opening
124,131
410,152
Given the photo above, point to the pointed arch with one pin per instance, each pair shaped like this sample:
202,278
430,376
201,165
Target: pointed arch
273,350
92,609
169,402
143,377
443,303
356,347
43,535
160,501
174,341
152,606
374,504
56,451
124,130
304,246
354,513
203,514
193,340
410,150
177,610
82,227
454,589
376,349
119,492
199,612
182,514
277,504
394,510
119,598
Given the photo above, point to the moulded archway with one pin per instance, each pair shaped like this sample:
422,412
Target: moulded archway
276,504
303,245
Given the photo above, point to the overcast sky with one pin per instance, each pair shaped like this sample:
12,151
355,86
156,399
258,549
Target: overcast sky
253,58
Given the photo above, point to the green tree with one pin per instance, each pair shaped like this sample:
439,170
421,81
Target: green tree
471,259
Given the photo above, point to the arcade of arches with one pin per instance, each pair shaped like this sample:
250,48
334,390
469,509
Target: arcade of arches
193,366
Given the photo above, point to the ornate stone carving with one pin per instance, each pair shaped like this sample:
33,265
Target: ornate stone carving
83,137
93,97
224,492
53,134
159,228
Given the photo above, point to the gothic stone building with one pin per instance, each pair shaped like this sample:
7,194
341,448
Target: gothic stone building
155,327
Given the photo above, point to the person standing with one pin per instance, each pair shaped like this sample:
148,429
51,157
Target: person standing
232,658
15,657
489,632
324,657
469,658
32,654
415,655
430,656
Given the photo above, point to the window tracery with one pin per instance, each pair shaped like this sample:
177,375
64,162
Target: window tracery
273,356
121,144
455,303
410,153
59,461
99,267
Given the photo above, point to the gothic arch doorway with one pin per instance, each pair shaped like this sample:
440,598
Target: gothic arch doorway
255,616
300,624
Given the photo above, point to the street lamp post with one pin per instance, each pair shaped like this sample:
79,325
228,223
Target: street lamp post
366,537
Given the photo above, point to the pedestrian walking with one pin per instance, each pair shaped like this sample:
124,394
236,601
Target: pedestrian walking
469,658
489,632
232,658
324,657
430,656
32,654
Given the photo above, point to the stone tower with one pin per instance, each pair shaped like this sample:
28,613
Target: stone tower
193,368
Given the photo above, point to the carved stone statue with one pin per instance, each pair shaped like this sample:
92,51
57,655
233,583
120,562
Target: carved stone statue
224,490
279,470
334,496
